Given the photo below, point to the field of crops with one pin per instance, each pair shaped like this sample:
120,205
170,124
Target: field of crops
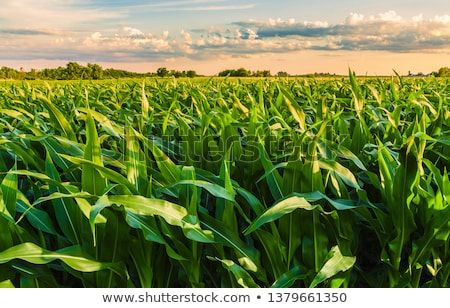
225,183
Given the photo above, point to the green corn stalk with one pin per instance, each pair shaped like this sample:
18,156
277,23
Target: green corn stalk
300,182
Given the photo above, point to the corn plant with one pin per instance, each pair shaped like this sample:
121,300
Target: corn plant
225,183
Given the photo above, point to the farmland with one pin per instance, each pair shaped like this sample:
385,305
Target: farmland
161,182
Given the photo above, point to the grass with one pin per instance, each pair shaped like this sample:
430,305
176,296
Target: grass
225,183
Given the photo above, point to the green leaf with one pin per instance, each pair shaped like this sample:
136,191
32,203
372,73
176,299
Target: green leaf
106,172
68,215
28,156
114,247
58,195
172,214
144,103
405,180
73,256
338,204
345,174
135,161
272,176
149,227
8,229
216,190
291,175
358,99
166,166
4,210
437,231
39,219
251,199
58,118
274,251
386,167
335,263
110,127
294,108
224,234
6,284
278,210
142,258
242,277
9,188
290,277
92,180
56,145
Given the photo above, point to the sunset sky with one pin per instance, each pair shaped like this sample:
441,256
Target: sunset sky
303,36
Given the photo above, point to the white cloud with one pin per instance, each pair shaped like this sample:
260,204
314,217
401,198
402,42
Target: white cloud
96,36
444,19
388,16
129,39
354,19
131,32
186,36
418,18
386,31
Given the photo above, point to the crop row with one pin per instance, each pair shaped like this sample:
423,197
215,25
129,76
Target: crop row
225,183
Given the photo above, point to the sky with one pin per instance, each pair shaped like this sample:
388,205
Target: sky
208,36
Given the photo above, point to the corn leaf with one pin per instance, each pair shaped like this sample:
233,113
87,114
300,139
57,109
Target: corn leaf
335,263
278,210
73,256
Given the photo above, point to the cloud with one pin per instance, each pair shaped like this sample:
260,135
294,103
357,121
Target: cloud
385,31
25,32
131,43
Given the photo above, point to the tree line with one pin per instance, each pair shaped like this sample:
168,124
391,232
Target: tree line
76,71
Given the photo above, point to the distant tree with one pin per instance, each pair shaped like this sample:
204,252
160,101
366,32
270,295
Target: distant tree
265,73
21,74
95,71
112,73
191,74
175,73
240,72
444,72
282,74
46,73
61,73
32,74
8,73
162,72
115,73
74,70
224,73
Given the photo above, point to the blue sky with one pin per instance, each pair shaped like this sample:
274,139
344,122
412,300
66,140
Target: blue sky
371,37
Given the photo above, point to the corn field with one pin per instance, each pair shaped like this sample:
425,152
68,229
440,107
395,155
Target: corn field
225,183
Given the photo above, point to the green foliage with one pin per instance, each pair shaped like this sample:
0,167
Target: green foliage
240,72
92,71
444,72
225,183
